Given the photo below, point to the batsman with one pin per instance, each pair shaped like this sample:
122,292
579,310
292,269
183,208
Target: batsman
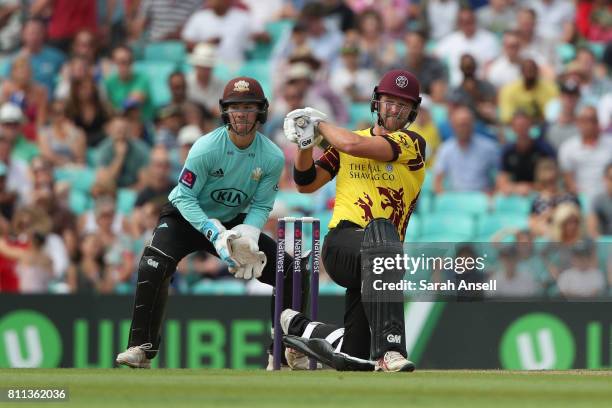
379,174
223,198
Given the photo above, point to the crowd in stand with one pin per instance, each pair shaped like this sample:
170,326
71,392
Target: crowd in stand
100,101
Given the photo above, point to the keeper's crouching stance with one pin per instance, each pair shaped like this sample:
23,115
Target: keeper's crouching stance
222,200
379,172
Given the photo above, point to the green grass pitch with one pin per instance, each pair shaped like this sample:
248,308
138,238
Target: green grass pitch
232,388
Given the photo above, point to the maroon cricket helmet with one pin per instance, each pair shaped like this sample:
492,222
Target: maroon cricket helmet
244,89
399,83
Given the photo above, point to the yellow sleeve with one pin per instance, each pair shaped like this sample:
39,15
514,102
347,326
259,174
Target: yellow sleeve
506,107
408,148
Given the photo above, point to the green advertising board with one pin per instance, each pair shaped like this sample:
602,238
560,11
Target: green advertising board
234,332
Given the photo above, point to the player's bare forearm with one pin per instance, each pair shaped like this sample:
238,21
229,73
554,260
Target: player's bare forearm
304,160
344,140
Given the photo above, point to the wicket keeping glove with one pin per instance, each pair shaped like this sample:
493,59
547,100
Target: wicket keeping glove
300,127
245,250
221,238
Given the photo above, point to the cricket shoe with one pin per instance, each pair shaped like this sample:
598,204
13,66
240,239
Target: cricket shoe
135,357
295,359
393,362
323,352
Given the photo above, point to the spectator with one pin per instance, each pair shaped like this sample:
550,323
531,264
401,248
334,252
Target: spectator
533,46
351,81
339,14
8,197
87,110
11,17
551,17
11,130
48,196
45,61
583,158
171,120
223,25
440,17
17,173
88,273
583,69
312,34
187,137
563,123
84,63
197,115
583,279
530,94
30,96
34,267
550,195
203,86
67,17
600,216
468,160
122,156
518,163
424,66
497,16
377,49
126,84
424,126
163,20
506,68
479,95
593,20
137,128
178,88
468,39
513,279
157,181
61,142
292,98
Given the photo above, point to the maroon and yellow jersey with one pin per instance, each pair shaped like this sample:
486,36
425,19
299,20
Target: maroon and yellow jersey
368,189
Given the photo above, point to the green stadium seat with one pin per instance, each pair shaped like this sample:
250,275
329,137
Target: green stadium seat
5,68
566,52
489,224
512,204
169,51
414,229
125,200
473,203
276,30
80,179
79,201
260,70
359,112
158,73
444,227
424,203
331,288
295,200
209,287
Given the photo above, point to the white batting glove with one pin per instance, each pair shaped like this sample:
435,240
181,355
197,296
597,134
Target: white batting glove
300,127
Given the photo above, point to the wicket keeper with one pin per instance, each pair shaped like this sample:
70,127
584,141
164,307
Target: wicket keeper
223,198
379,173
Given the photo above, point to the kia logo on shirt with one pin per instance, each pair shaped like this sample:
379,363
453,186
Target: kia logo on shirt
230,197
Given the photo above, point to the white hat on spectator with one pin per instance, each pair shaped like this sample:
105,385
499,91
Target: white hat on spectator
188,135
299,70
10,113
203,55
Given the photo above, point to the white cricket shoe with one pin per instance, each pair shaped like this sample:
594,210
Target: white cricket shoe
135,357
393,362
285,319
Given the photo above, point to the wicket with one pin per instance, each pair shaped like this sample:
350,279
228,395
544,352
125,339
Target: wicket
297,276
